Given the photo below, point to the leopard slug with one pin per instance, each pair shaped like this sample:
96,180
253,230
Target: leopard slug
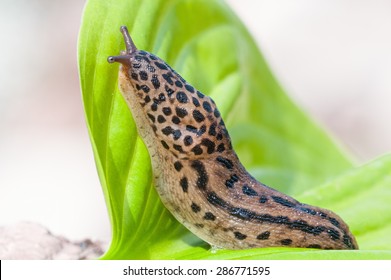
199,176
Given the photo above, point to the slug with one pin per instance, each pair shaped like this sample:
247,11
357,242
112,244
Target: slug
199,176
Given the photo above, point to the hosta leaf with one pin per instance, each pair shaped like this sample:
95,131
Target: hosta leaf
205,42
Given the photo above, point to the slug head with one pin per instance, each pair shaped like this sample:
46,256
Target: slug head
140,72
182,119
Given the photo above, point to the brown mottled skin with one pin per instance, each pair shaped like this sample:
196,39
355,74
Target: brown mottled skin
198,175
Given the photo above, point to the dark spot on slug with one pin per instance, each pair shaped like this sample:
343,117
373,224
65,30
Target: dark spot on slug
182,97
223,128
161,98
239,235
178,148
315,246
242,213
197,150
188,140
225,162
191,128
178,84
147,99
161,65
283,201
134,76
334,235
167,130
278,219
262,199
175,120
198,116
136,65
167,111
202,179
181,112
144,56
207,106
315,230
209,145
169,90
220,148
151,117
195,208
305,227
200,95
334,221
155,81
145,88
201,130
177,134
150,68
231,181
189,88
154,107
178,166
184,184
308,210
168,79
212,129
209,216
348,241
196,102
321,214
249,191
161,119
216,113
164,144
286,242
215,200
264,235
143,75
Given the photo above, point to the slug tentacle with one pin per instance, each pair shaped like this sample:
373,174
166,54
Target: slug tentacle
123,59
131,49
130,46
199,176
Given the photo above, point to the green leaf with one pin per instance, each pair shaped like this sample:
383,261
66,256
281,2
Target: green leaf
205,42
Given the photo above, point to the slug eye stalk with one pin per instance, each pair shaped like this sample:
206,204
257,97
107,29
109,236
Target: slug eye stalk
131,48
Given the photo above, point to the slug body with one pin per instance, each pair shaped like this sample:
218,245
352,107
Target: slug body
197,173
